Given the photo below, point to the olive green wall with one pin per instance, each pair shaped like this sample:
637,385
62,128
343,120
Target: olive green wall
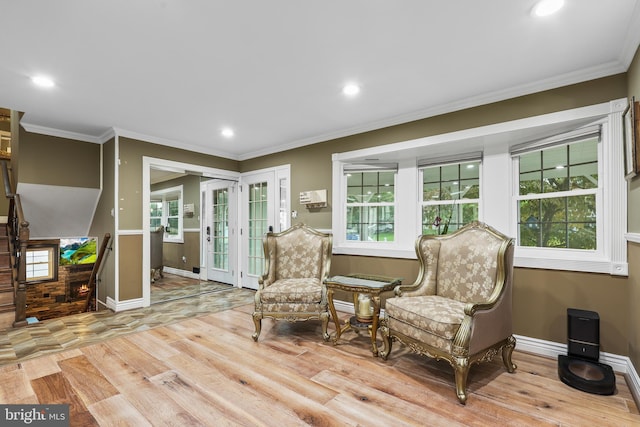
173,253
104,222
131,152
50,160
540,297
16,130
129,267
190,250
633,217
633,304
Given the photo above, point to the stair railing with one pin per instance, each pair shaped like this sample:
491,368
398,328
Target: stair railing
18,231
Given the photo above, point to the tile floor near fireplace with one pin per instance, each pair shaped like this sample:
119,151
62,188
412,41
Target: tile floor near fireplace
77,330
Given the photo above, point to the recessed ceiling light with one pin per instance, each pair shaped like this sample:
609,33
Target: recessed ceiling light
547,7
351,89
227,132
42,81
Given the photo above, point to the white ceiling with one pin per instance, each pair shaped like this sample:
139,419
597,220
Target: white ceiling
176,72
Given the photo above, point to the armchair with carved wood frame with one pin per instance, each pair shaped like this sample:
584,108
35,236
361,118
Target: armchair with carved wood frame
297,262
459,308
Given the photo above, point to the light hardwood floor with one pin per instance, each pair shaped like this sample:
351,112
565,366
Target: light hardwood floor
208,371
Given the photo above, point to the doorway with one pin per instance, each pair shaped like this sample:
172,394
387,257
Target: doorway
226,254
220,224
265,207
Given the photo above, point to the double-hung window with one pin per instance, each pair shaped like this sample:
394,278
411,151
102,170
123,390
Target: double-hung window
450,193
562,197
41,262
559,193
166,210
371,203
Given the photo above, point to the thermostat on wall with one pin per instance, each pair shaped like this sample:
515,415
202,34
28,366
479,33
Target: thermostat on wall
314,198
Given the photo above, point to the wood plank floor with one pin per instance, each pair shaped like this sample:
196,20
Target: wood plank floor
207,371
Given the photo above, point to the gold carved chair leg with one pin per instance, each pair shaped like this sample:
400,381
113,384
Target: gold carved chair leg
461,369
387,340
463,296
257,320
324,318
291,288
507,351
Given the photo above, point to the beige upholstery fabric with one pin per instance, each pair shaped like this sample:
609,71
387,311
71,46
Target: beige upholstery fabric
467,266
305,290
459,307
292,287
298,255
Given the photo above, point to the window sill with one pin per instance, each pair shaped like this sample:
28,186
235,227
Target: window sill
591,265
375,252
588,266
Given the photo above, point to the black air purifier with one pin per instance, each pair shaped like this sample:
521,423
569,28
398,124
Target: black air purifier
580,368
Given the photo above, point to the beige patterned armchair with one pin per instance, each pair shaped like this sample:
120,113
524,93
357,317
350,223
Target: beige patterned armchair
292,287
459,307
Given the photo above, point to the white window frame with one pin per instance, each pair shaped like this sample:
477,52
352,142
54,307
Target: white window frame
393,204
52,253
497,202
166,194
567,254
455,202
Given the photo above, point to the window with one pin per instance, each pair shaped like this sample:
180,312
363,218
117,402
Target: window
41,262
450,196
558,196
156,214
370,205
166,209
563,198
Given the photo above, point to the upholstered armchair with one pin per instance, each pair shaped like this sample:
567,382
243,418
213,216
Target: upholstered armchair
156,239
459,307
292,288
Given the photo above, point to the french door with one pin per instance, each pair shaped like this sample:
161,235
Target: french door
220,231
265,205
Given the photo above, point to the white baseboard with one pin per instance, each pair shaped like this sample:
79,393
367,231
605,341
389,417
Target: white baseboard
181,273
124,305
620,364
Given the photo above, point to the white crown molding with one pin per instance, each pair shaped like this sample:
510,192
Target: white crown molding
43,130
567,79
107,135
172,143
632,41
611,68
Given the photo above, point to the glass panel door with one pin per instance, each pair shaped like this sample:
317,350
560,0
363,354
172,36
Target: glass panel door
220,231
259,202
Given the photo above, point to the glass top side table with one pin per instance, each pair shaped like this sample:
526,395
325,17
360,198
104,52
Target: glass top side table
366,290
